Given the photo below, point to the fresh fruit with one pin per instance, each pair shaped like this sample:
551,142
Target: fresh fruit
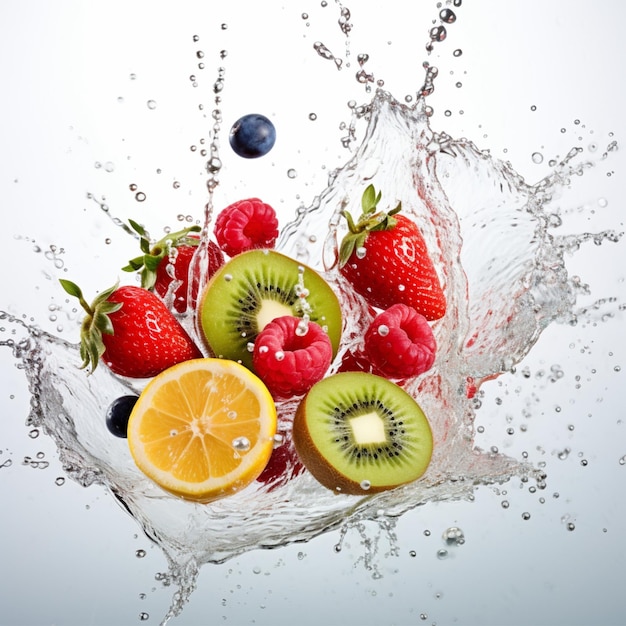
132,331
203,429
358,433
252,136
284,464
251,290
118,413
291,355
385,259
400,343
246,225
169,259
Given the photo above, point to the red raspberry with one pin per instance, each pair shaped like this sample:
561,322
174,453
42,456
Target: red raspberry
400,343
246,225
289,361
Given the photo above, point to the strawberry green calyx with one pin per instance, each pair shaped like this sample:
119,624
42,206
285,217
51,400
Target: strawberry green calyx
370,220
96,323
153,254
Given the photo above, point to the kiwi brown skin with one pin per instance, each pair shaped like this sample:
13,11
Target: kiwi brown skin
323,469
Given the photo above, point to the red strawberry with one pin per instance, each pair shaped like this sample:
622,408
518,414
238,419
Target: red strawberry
246,225
400,343
384,257
291,355
132,331
168,259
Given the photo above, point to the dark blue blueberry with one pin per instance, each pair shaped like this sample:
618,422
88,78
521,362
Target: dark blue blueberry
118,414
252,136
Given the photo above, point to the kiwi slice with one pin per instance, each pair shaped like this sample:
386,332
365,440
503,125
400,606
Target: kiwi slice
255,287
358,433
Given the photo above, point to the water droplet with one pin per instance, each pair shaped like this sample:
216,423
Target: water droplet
505,504
570,526
453,536
442,554
525,515
412,553
438,33
151,104
256,570
279,355
383,330
360,252
458,52
291,173
34,433
448,16
59,481
537,157
140,196
250,346
228,277
302,328
365,484
312,116
241,444
140,554
144,616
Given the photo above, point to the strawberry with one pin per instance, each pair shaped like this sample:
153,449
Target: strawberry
246,225
385,259
291,355
132,331
400,343
169,259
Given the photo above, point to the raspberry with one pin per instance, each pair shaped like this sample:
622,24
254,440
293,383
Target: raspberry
284,464
290,357
400,343
246,225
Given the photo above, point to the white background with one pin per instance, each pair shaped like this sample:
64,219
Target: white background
69,103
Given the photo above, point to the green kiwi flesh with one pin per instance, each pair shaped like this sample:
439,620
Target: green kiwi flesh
252,289
358,433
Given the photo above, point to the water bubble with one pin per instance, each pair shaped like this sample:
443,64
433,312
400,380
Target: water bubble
224,26
144,616
151,104
427,533
383,330
241,444
412,553
59,481
312,116
448,16
140,554
537,157
140,196
525,515
291,173
622,460
438,33
458,52
505,504
34,433
454,536
442,554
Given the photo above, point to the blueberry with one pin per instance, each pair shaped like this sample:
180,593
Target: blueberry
252,136
118,414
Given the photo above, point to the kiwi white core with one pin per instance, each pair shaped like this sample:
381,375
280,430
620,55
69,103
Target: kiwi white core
368,428
270,310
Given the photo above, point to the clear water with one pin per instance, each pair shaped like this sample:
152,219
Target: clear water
502,246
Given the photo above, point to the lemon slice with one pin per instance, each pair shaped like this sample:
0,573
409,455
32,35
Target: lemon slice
203,429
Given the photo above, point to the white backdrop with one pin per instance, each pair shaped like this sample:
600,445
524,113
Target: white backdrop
77,80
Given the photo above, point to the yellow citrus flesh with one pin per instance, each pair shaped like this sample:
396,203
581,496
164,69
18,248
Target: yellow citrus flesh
203,429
